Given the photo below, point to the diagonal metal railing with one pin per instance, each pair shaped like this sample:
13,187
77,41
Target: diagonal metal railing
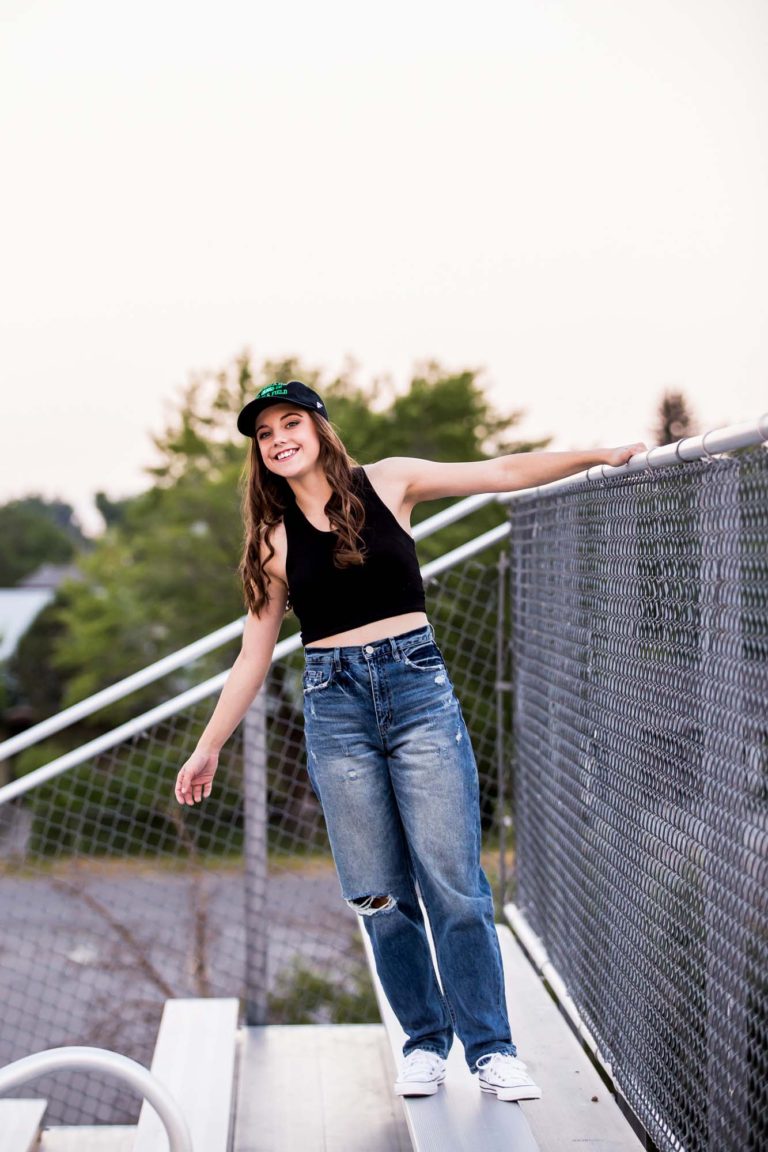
192,652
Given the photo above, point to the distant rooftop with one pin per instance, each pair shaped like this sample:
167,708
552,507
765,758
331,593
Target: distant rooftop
18,608
20,605
50,576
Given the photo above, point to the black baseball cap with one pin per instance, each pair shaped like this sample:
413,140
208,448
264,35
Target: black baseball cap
294,392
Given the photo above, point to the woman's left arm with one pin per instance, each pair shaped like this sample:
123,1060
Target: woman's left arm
430,480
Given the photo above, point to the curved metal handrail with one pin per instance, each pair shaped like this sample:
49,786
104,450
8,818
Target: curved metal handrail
201,647
133,1074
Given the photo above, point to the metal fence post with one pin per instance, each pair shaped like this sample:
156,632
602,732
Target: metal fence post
723,676
503,687
255,813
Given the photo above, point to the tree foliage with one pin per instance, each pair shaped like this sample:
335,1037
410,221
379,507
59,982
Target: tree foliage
35,531
31,679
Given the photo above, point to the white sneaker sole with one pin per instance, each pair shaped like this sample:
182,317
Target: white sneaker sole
417,1087
518,1092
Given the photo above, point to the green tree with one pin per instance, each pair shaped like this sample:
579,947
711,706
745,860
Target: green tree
112,511
35,531
32,679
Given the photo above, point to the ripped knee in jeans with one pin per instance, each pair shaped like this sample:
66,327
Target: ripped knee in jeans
370,905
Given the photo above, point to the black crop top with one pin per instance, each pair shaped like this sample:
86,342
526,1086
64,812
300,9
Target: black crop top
327,599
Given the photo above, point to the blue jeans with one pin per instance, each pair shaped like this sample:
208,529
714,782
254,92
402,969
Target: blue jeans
391,762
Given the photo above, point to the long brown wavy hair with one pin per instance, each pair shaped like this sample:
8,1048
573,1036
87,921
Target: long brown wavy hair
265,497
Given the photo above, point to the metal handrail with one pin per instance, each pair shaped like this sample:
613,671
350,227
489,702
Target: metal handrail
122,688
130,1072
186,699
686,450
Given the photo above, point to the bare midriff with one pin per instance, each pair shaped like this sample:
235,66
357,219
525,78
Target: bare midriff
376,630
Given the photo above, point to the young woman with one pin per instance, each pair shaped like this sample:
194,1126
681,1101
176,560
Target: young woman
388,753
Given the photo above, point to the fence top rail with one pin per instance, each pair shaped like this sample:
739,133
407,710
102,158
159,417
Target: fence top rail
690,448
682,451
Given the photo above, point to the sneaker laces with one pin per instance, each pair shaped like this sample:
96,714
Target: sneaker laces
508,1069
420,1064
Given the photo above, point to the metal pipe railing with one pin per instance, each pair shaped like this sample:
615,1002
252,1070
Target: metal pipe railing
122,1068
160,668
120,689
684,451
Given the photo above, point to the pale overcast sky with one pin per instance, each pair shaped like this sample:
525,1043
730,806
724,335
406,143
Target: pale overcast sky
570,194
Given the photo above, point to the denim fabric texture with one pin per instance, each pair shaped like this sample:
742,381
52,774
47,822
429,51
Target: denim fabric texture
391,762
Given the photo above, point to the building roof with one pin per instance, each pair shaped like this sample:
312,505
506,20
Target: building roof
18,608
50,576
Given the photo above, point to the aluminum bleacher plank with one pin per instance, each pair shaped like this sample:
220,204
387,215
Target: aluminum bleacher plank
459,1117
577,1107
316,1088
195,1059
20,1124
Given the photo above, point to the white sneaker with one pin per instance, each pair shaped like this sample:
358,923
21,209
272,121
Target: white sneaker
507,1077
421,1073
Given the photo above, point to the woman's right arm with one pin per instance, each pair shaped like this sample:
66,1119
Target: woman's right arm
248,673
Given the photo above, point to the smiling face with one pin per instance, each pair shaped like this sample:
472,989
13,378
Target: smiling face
287,440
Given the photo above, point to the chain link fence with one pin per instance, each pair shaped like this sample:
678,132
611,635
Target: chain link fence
640,640
114,898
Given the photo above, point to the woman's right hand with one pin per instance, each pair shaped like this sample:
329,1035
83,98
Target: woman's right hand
195,778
